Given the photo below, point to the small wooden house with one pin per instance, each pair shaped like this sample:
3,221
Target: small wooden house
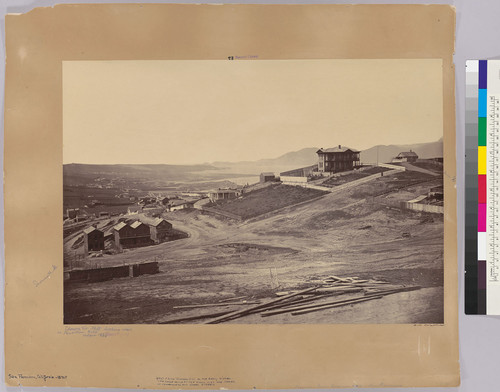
224,194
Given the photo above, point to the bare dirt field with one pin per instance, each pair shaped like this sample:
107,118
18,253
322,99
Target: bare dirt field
355,233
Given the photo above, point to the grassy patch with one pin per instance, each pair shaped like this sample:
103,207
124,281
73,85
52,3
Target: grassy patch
375,170
340,180
266,200
408,178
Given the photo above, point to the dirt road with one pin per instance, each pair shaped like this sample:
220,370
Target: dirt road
411,167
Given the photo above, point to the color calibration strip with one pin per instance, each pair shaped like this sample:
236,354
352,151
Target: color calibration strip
482,111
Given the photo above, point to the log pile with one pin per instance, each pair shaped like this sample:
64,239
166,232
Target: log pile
331,292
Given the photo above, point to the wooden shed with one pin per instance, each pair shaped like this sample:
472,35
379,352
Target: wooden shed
93,239
159,228
267,177
131,236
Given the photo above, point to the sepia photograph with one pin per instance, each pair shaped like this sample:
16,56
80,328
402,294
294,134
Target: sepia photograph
249,191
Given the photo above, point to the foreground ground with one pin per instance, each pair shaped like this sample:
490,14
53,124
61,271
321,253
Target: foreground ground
360,232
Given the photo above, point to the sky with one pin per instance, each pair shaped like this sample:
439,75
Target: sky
196,111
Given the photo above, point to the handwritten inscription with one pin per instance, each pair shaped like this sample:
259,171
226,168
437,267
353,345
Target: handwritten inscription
38,283
248,57
94,331
44,377
187,382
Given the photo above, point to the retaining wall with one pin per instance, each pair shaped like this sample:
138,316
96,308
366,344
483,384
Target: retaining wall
293,180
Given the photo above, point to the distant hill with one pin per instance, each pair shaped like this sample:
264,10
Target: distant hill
81,174
132,170
304,157
386,153
307,157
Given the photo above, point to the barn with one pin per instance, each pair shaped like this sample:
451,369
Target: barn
131,236
141,233
159,228
93,239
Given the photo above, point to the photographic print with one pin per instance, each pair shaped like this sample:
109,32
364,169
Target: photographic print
259,182
253,191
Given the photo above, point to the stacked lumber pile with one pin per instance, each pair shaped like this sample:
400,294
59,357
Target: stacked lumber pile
332,292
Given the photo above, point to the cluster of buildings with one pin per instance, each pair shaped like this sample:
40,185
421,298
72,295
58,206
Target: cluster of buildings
335,160
141,232
75,215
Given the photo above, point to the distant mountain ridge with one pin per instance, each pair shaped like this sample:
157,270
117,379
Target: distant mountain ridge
82,173
307,156
304,157
81,168
386,153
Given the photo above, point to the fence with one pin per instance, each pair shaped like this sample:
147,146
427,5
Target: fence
309,186
301,172
302,181
387,165
74,259
108,273
422,207
394,167
293,180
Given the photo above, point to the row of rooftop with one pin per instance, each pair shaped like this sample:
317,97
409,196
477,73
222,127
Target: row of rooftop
141,232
